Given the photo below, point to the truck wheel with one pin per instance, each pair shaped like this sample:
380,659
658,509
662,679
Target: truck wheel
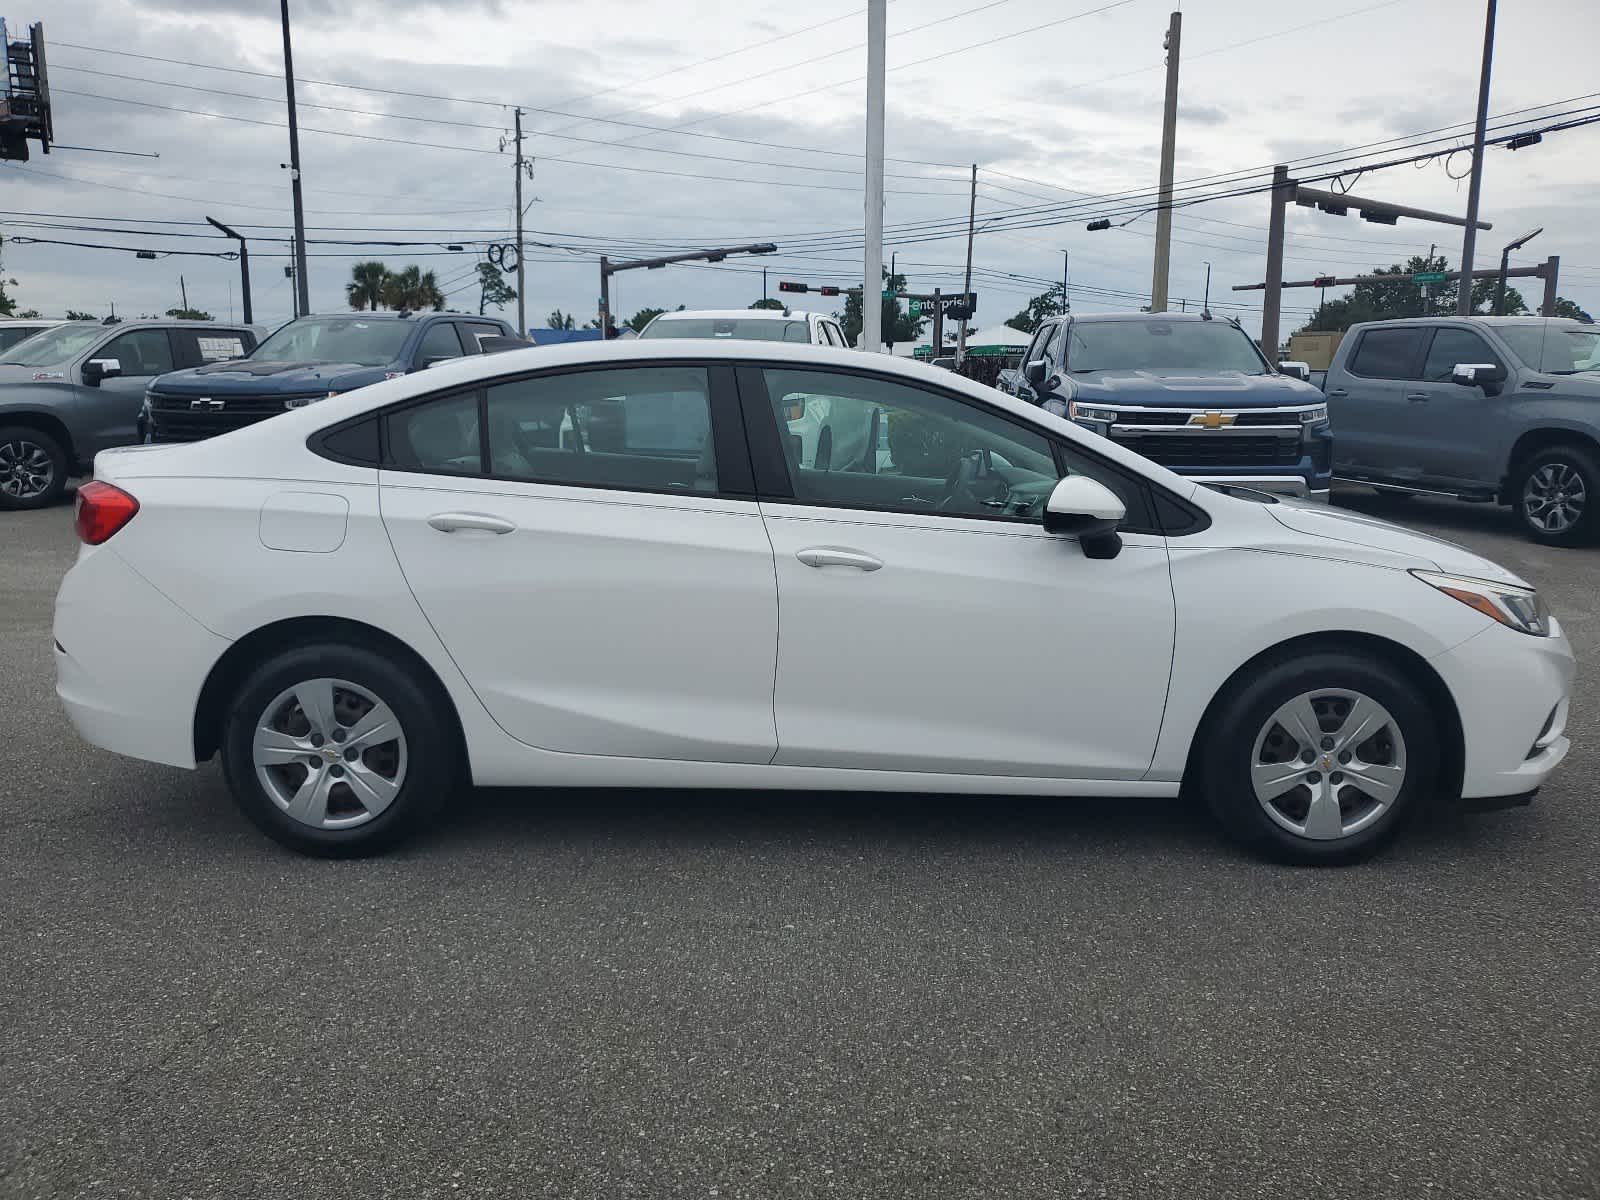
1555,493
33,468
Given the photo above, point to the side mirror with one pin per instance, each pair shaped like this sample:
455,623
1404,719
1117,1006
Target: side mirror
1477,374
436,360
1036,372
1296,370
97,369
1088,510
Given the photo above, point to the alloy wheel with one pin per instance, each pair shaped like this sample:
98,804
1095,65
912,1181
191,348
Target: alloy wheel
1328,764
330,753
1554,497
26,471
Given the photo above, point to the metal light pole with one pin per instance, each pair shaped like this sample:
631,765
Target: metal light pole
244,267
301,283
1499,308
1475,186
872,255
1169,134
1205,305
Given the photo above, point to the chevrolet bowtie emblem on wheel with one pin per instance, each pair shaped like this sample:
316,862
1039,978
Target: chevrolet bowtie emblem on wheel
1212,420
207,403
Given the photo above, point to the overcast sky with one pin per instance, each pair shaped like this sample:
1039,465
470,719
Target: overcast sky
1073,106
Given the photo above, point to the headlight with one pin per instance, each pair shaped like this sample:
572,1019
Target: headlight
1084,412
1312,415
1521,608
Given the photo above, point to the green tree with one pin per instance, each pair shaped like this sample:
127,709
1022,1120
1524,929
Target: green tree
643,317
1570,308
413,290
188,314
492,287
560,320
772,304
1040,307
365,289
898,324
74,315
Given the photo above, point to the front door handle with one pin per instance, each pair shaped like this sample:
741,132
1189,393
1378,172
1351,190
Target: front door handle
1338,392
1417,397
456,522
834,556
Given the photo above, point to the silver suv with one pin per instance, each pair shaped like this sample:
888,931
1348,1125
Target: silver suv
77,389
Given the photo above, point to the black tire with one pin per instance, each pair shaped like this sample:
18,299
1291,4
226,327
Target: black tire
432,757
1241,716
1573,463
22,444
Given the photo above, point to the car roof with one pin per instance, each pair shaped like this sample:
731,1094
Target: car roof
392,315
31,321
1475,319
743,314
1109,317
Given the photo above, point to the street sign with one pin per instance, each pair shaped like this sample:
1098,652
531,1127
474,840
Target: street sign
888,293
1428,277
916,308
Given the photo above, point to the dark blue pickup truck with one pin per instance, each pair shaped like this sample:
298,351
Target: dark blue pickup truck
1185,390
307,360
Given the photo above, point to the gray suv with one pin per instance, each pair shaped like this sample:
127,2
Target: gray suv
1498,409
76,389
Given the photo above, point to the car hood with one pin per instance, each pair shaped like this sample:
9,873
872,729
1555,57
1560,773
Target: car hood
1192,389
244,376
1336,533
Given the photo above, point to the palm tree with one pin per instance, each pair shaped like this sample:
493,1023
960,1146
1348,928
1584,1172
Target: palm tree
413,289
365,289
560,320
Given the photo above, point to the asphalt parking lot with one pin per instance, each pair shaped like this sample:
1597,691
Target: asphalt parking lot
755,995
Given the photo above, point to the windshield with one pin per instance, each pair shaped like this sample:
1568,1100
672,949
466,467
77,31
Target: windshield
1161,346
1554,349
53,345
336,339
750,330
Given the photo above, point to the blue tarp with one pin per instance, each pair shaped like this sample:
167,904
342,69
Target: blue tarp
558,337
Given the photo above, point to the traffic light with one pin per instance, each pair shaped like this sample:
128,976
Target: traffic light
1097,226
827,291
1322,281
1379,218
785,286
958,312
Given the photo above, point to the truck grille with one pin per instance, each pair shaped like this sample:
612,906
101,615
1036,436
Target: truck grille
1201,449
175,419
1182,417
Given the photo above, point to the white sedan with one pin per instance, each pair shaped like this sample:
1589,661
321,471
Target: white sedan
617,565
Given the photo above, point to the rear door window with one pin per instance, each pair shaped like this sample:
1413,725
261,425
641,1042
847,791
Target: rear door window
1387,354
197,347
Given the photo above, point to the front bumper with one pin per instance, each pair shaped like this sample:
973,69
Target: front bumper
1511,692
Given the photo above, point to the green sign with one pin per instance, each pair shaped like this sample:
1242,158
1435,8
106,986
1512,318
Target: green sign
916,308
888,293
1428,277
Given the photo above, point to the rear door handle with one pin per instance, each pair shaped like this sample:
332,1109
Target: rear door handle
1417,397
456,522
834,556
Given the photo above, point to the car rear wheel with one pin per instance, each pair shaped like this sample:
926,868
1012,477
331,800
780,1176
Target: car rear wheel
1555,495
336,750
33,468
1320,759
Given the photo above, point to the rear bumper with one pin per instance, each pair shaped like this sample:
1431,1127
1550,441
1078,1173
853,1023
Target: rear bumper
129,662
1511,693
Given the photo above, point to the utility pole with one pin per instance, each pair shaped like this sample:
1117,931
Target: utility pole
1066,282
872,256
294,294
522,303
1469,238
966,284
763,287
1272,302
183,290
605,294
244,267
1205,305
301,282
1169,132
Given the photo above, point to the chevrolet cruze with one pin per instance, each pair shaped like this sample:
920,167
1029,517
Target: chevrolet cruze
618,565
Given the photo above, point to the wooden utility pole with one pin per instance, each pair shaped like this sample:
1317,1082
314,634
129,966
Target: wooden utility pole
966,285
302,283
1469,237
522,302
1169,134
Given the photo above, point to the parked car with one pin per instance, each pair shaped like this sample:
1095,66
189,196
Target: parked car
362,603
308,360
1187,391
753,324
1497,409
20,329
72,390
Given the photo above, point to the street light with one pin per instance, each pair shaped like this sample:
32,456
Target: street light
1505,265
244,267
609,268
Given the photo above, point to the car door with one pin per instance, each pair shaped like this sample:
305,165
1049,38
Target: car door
1455,435
928,622
440,342
587,545
108,411
1374,431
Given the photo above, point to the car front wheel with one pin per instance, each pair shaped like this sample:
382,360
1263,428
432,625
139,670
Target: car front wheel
337,750
1320,759
1554,496
33,468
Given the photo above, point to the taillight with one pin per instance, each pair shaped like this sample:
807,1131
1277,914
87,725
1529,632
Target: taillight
102,510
